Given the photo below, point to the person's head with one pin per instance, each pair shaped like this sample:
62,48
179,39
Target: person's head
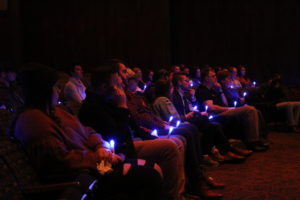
40,87
75,70
225,79
121,66
162,74
176,69
139,73
181,81
196,72
242,71
163,88
132,81
208,76
186,70
233,71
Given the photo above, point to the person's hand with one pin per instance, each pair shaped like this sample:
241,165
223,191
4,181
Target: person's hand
117,158
189,115
104,154
204,114
192,92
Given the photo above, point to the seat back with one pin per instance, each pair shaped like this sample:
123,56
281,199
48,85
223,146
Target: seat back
5,118
15,171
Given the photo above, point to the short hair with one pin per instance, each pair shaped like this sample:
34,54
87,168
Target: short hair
222,75
162,88
205,72
177,77
102,74
70,68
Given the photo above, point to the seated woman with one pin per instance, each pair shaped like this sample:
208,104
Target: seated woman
58,145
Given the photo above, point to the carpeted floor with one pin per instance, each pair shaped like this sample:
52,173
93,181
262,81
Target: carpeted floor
271,175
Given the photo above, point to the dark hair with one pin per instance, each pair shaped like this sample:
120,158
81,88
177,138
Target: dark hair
37,82
101,75
161,74
162,88
70,68
205,72
222,75
177,77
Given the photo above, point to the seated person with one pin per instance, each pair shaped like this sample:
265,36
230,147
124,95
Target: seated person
58,145
242,77
213,133
231,93
144,117
105,109
74,89
211,94
275,95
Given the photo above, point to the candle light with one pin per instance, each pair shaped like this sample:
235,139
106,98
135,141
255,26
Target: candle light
231,86
235,103
170,130
191,84
244,94
171,118
154,133
206,108
195,108
145,87
178,123
210,117
112,146
254,83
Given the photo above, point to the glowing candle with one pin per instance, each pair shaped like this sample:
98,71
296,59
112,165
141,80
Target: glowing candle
171,118
206,108
234,103
210,117
145,87
244,94
195,108
59,102
170,130
112,146
254,83
191,84
177,123
154,133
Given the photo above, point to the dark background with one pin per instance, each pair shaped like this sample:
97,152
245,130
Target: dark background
154,34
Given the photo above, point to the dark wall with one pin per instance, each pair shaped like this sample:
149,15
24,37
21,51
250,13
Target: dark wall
263,35
10,34
90,32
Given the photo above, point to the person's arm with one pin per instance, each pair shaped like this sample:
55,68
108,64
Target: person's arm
215,108
46,145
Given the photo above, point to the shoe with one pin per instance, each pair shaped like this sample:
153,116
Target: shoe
233,158
207,160
210,181
256,146
241,152
217,155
